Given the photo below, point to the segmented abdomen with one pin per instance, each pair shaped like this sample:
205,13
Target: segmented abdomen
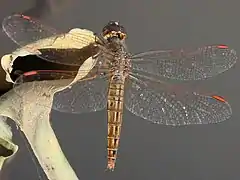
115,113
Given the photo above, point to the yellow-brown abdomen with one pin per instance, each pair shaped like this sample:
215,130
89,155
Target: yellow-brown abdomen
115,113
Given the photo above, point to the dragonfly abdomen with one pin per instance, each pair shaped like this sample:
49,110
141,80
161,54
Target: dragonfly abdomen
115,112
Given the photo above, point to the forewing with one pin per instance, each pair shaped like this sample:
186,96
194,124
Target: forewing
24,30
39,39
186,64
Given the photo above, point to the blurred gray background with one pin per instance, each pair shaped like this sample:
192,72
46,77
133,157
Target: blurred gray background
147,151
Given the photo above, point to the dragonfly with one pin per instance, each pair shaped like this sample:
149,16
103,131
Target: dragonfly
141,82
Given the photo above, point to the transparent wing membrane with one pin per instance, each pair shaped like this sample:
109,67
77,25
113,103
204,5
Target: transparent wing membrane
85,95
38,87
186,64
33,35
24,30
82,97
160,106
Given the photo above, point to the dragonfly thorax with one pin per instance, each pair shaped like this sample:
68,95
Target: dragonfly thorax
120,66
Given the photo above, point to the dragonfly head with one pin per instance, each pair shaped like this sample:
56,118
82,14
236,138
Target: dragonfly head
113,30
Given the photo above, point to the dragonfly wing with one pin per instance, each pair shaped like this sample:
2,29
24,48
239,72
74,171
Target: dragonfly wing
83,96
163,107
86,95
44,41
184,64
24,30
